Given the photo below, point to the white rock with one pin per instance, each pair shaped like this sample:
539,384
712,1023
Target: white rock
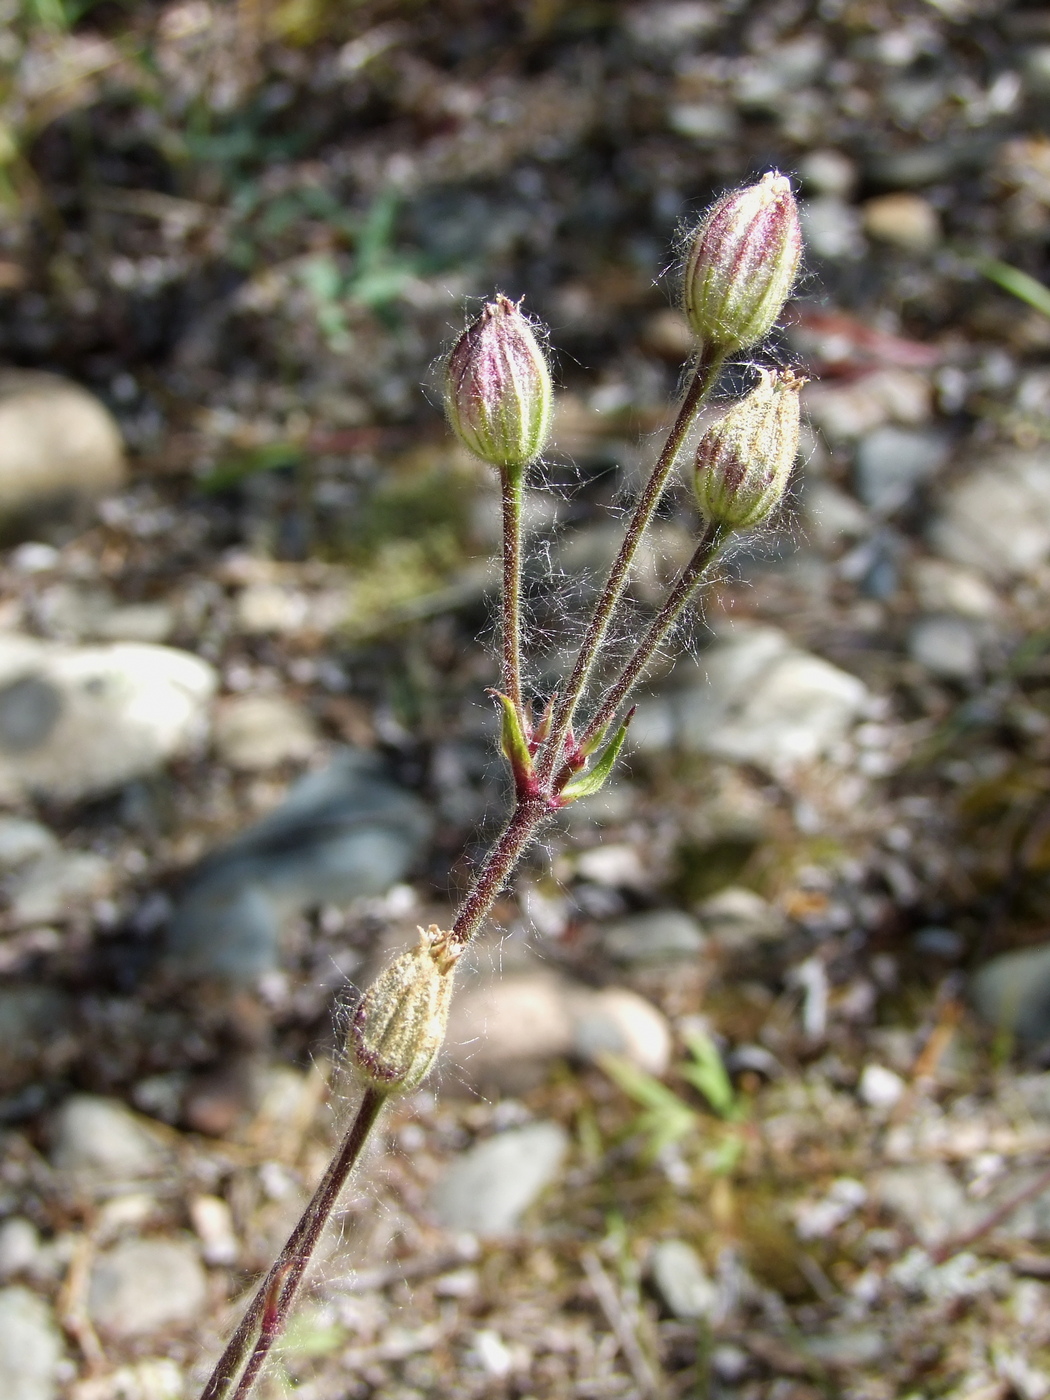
620,1022
928,1197
489,1188
682,1281
509,1028
891,395
946,588
56,441
76,721
19,1246
893,462
831,515
256,732
738,919
764,702
997,519
947,646
143,1286
212,1219
50,887
101,1139
831,228
657,936
24,841
31,1348
905,220
880,1087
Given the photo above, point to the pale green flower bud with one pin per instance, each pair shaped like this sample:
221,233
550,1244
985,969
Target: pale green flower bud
742,263
744,461
498,391
399,1025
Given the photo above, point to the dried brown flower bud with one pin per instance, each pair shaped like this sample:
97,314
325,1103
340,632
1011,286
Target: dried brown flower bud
742,263
399,1025
744,461
498,391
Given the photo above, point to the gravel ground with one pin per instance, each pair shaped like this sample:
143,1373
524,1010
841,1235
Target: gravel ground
744,1095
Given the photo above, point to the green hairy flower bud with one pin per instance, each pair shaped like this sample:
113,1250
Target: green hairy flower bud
498,388
744,461
399,1025
742,264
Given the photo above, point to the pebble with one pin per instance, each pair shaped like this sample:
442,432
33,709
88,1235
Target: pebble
23,841
861,1346
75,614
101,1140
907,221
31,1347
1012,993
831,228
763,701
946,646
256,732
831,515
659,936
997,518
892,463
80,721
880,1087
343,832
738,919
890,395
929,1199
212,1220
51,887
19,1246
684,1285
946,588
489,1188
618,1021
57,443
828,172
142,1286
504,1032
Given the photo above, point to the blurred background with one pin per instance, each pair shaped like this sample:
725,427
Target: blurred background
745,1090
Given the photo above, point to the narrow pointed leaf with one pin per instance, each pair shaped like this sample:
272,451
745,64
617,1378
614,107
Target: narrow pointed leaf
595,778
513,742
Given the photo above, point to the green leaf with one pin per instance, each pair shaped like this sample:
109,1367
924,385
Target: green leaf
584,784
1017,283
666,1118
512,741
708,1074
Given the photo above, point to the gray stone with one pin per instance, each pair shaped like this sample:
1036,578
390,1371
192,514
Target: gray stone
256,732
19,1246
738,919
997,518
23,841
31,1347
862,1346
57,442
946,646
1012,993
49,888
892,463
100,1139
342,832
831,228
32,1018
928,1198
831,515
618,1021
946,588
659,936
764,701
828,172
79,721
143,1286
489,1188
684,1285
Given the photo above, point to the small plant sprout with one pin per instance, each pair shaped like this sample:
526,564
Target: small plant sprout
741,266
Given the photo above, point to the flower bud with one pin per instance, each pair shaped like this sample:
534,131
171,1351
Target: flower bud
399,1025
498,388
742,263
744,461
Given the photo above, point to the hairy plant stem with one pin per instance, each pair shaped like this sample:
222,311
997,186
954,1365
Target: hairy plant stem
512,480
704,374
688,582
268,1311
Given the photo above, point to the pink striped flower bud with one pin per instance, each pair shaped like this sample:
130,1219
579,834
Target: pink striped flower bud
744,461
742,263
498,388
